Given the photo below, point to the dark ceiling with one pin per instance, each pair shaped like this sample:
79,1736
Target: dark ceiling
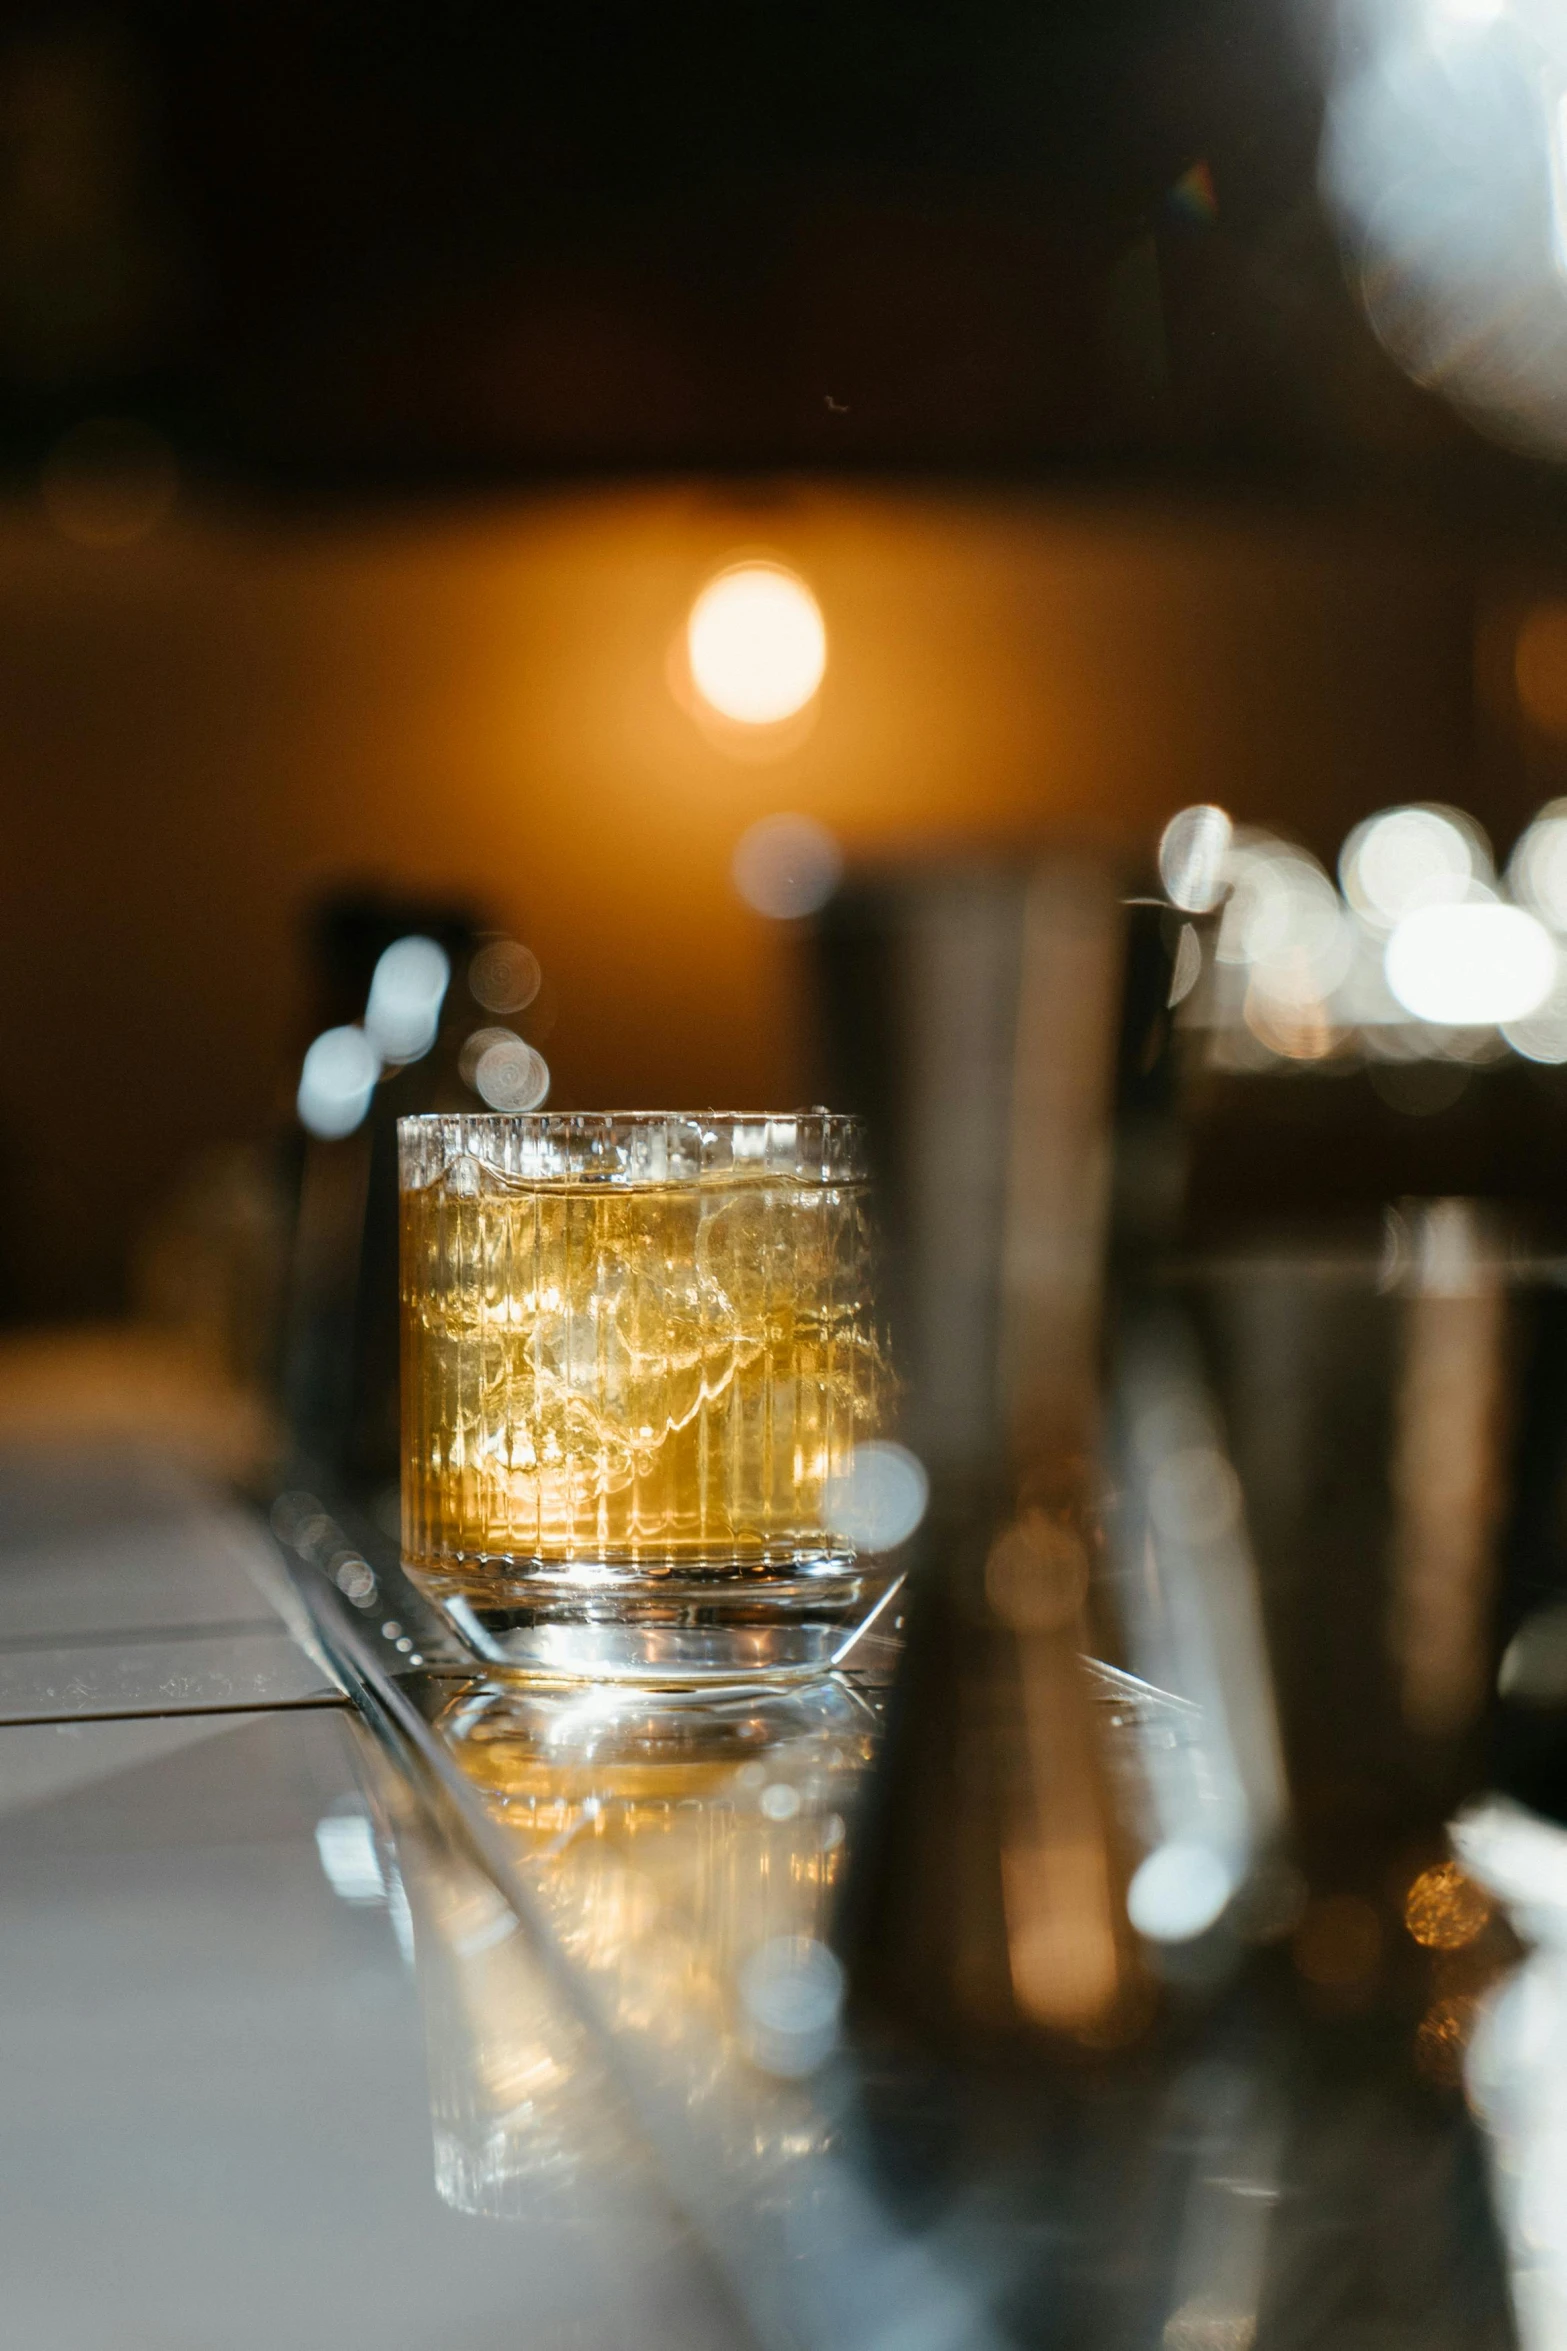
353,245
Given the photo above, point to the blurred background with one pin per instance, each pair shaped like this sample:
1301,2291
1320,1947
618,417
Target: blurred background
996,565
379,390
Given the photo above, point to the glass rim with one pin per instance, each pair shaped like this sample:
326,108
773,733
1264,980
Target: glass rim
628,1147
815,1114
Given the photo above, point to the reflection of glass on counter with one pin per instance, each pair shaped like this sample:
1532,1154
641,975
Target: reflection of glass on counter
524,2122
685,1850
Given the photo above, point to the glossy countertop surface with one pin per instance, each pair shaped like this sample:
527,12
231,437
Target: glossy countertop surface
1234,2165
218,2035
128,1587
351,1996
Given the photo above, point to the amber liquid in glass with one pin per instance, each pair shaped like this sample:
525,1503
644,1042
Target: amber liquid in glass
644,1375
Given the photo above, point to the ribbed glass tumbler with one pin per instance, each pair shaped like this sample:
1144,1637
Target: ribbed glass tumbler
638,1356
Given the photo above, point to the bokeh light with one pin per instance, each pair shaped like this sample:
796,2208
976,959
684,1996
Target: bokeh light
1285,922
791,1997
1442,159
476,1045
1179,1891
1471,966
510,1075
1537,871
504,976
787,866
1533,1670
406,992
1445,1910
336,1082
1441,2035
1404,858
1541,1035
1193,851
879,1498
757,644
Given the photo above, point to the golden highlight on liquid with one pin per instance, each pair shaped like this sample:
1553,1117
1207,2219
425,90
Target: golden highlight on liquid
635,1374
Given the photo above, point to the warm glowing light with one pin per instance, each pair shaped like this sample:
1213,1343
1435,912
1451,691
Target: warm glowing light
1540,671
757,644
1405,858
1440,2037
787,866
1192,853
406,991
1471,966
336,1082
1296,1032
1445,1910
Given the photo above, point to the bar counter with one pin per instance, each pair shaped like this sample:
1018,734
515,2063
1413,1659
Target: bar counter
349,1996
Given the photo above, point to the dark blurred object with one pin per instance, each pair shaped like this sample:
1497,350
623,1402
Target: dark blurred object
1528,1711
1102,1862
353,250
340,1356
976,1017
970,1016
1325,1152
1269,1478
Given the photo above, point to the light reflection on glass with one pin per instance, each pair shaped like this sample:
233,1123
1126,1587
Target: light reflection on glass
685,1852
345,1840
524,2124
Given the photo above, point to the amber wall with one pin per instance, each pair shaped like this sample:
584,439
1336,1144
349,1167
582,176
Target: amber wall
199,730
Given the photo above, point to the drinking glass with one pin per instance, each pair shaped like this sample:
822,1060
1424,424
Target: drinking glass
638,1361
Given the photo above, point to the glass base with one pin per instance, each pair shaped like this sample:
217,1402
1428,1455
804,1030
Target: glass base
665,1631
